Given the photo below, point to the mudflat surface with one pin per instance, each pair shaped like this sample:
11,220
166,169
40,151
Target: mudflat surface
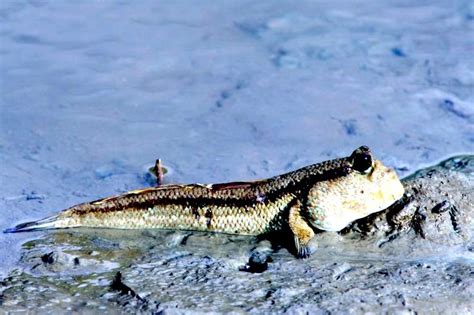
92,93
416,257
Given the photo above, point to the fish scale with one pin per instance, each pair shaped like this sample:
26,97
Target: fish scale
327,195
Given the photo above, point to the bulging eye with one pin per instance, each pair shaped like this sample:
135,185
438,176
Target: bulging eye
362,160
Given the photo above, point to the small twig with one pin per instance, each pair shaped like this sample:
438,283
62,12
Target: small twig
159,173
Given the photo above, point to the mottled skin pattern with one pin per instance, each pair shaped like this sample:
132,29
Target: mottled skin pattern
325,196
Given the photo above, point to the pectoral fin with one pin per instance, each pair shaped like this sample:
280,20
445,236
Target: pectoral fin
302,232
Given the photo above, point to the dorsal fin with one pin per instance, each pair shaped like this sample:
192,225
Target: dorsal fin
234,185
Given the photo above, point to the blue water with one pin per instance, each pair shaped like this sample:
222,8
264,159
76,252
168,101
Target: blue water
92,92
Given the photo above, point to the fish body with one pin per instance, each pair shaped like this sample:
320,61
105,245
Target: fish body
326,196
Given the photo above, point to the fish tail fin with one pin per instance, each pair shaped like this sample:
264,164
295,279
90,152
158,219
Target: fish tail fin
43,224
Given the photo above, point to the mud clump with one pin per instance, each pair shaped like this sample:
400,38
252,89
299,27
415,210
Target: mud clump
258,263
128,299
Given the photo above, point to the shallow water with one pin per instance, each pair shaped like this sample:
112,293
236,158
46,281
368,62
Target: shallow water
92,93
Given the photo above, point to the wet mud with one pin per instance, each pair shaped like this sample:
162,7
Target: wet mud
416,257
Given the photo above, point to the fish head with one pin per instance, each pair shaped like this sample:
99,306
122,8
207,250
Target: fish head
366,187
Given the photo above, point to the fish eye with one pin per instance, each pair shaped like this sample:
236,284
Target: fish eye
362,160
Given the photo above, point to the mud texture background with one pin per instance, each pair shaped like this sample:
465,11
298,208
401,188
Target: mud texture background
416,257
92,92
